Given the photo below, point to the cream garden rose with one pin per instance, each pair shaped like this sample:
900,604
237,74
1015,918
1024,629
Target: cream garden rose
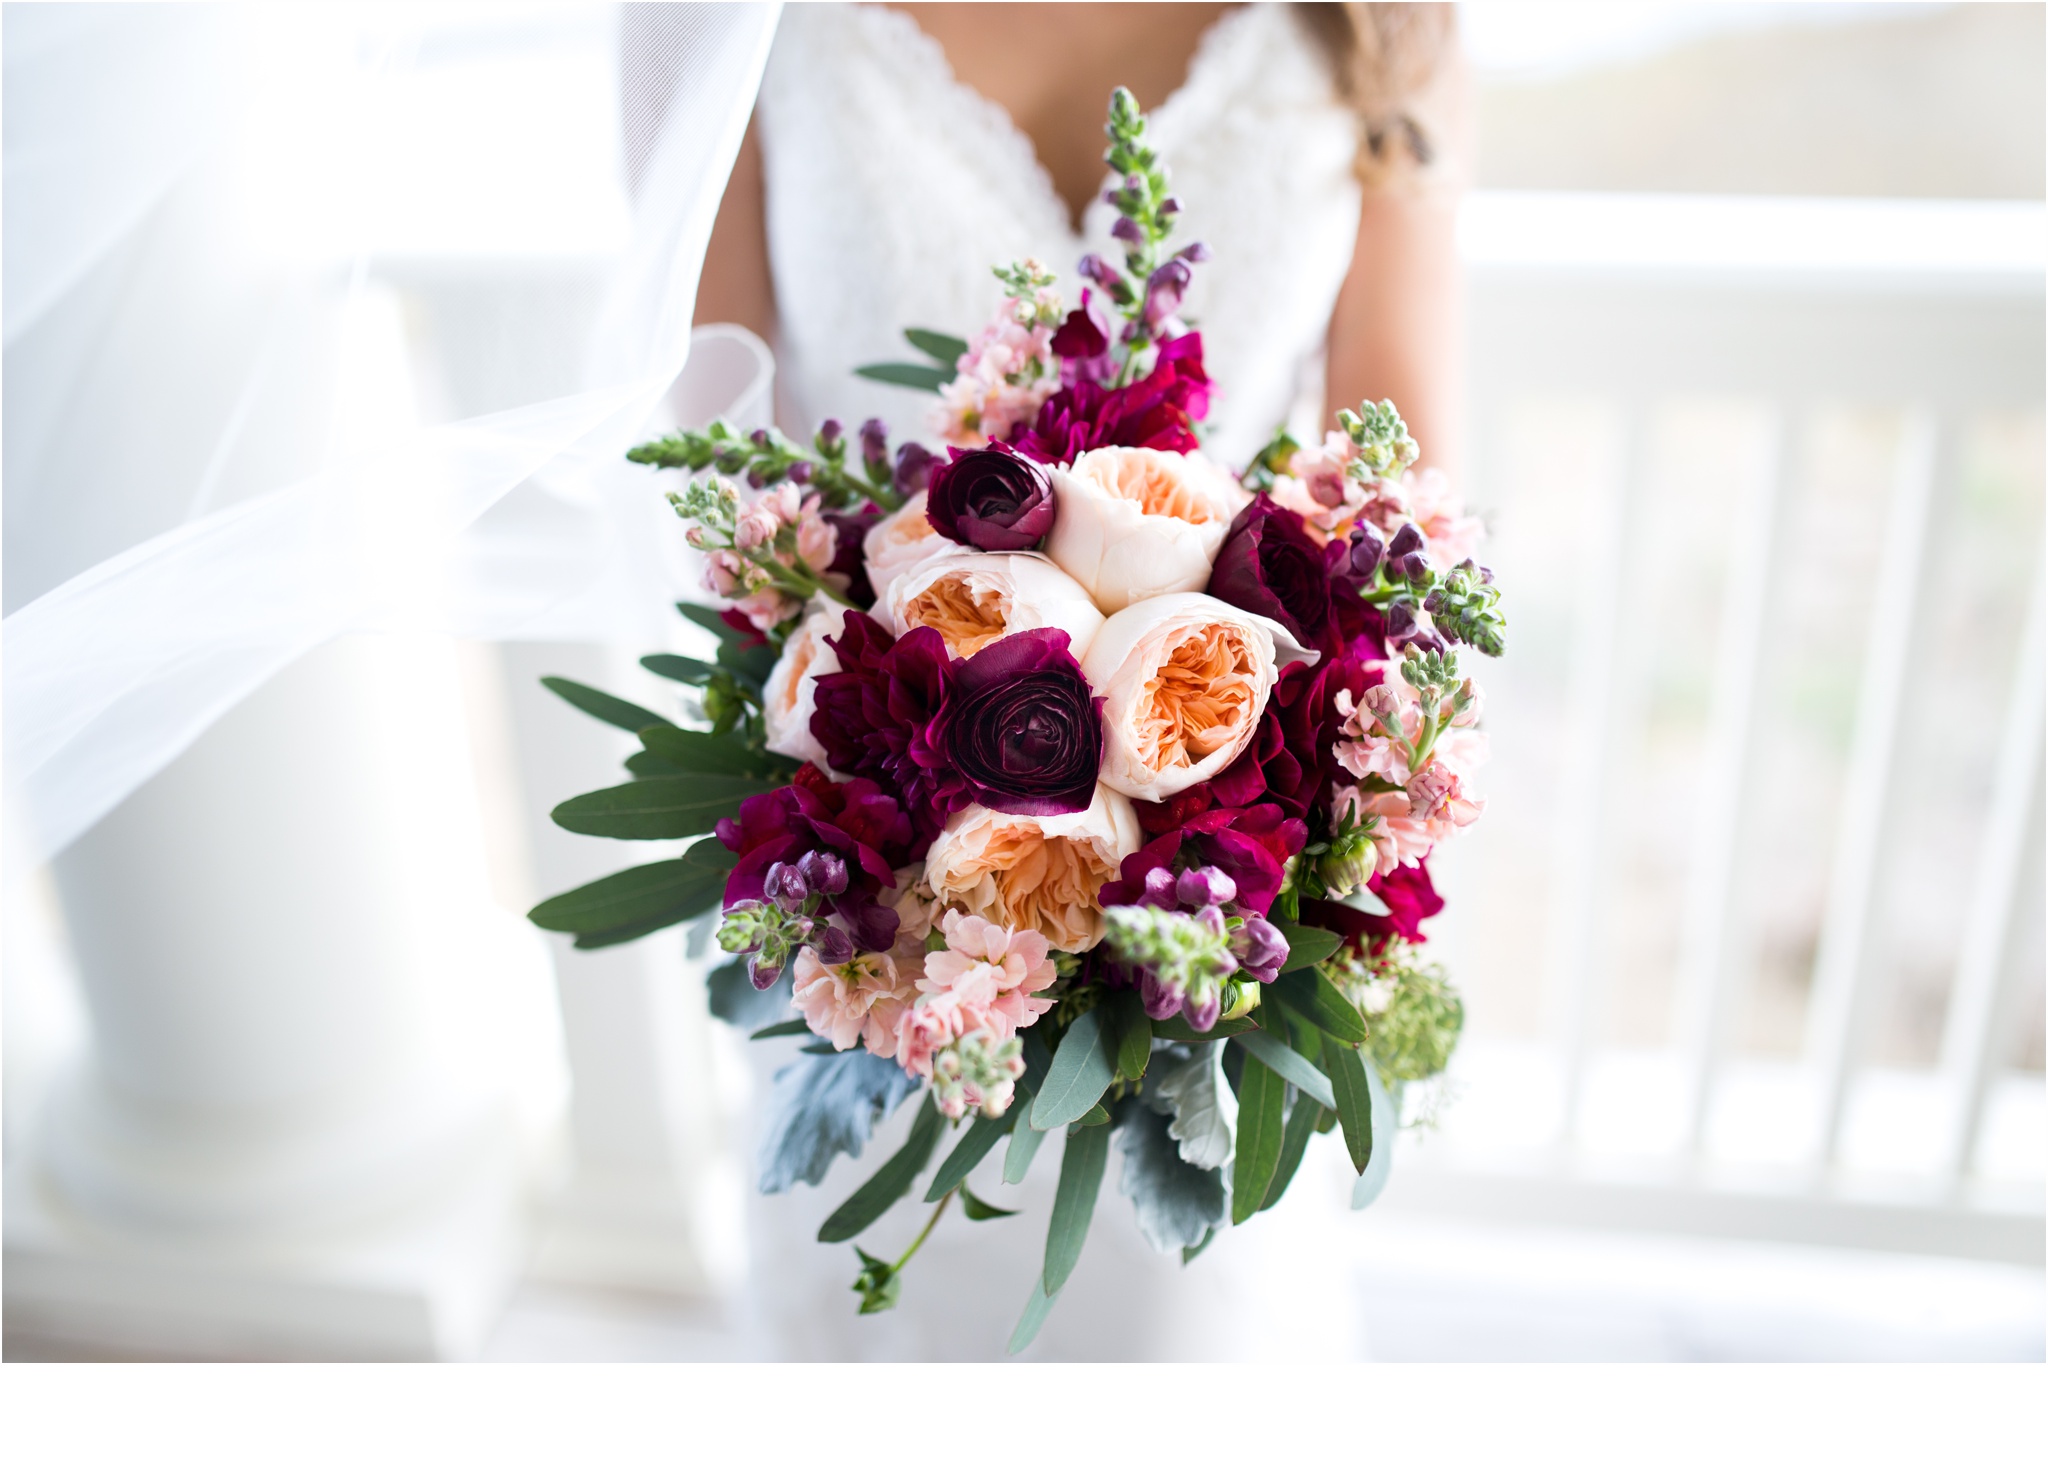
1184,680
972,599
1035,874
902,541
1134,522
790,696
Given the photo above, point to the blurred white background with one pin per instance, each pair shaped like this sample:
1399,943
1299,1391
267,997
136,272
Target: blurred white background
1751,939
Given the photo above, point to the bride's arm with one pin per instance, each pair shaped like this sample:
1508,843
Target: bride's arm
1397,328
736,285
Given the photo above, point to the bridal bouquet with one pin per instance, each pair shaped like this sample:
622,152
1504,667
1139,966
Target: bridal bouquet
1068,777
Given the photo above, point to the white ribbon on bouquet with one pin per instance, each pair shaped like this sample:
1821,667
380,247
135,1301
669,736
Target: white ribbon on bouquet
515,525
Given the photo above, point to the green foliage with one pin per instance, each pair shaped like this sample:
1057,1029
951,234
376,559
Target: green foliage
1301,1124
765,457
1261,1101
1309,993
1133,1036
701,752
1073,1205
634,902
1273,1053
1306,945
1082,1068
1385,450
1354,1101
1175,1029
735,999
1176,1203
794,1027
912,374
1035,1314
657,808
1386,1116
685,669
880,1283
942,348
1413,1013
978,1209
980,1138
1024,1143
888,1184
603,706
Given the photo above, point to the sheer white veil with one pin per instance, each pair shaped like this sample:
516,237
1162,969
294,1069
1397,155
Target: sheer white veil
126,133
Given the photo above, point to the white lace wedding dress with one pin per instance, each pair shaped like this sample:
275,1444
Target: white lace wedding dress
891,189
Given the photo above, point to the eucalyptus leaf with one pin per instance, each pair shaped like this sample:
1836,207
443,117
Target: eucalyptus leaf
1024,1143
1365,900
1290,1065
702,752
887,1185
1307,945
642,899
1310,993
1175,1029
1035,1313
822,1106
1261,1101
1204,1109
907,374
1073,1204
788,1029
1386,1121
1346,1068
978,1209
657,808
1188,1254
1176,1203
980,1138
942,348
1082,1067
604,706
685,669
1301,1125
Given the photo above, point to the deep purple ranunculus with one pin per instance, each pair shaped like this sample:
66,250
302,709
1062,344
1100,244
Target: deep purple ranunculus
1022,725
991,498
1268,565
873,717
855,823
1159,410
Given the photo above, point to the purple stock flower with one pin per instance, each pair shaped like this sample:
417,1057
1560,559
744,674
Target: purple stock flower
786,886
1197,253
1407,540
874,443
822,872
1367,550
991,498
1160,888
829,432
914,465
1165,290
1260,947
1269,566
1126,229
1205,885
1022,726
834,946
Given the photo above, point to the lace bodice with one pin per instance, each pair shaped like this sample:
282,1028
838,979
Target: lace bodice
892,187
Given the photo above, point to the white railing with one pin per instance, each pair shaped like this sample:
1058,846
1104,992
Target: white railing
1929,311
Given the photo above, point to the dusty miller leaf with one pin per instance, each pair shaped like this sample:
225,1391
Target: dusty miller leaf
1176,1203
1204,1109
824,1105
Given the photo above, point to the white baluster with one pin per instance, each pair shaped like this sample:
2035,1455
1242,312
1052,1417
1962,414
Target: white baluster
1970,1037
1709,985
1844,996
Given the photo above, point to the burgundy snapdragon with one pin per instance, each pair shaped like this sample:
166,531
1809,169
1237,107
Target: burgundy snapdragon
1250,845
874,715
1159,410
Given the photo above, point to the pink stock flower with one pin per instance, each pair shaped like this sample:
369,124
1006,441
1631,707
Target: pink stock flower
1366,749
1413,821
862,1001
1453,534
1008,372
983,981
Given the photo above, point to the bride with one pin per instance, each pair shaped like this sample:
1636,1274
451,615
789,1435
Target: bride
894,153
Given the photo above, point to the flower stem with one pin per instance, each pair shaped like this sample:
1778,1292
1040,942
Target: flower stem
944,1201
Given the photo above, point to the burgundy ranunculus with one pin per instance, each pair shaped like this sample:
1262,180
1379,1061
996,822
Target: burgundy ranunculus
873,716
1268,565
1159,410
991,498
1292,757
1252,846
1410,899
1021,723
855,821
